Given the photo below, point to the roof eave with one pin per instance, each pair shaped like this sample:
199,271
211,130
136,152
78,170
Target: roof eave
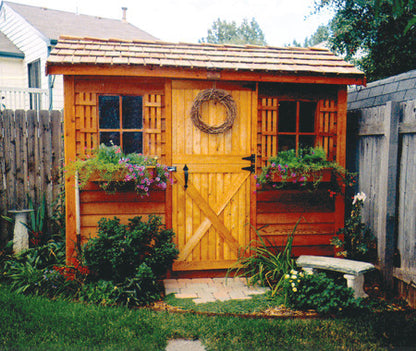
204,74
12,54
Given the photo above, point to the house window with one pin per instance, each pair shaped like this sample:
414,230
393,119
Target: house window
33,71
296,124
121,122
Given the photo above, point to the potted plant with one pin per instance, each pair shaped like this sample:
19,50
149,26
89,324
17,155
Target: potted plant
114,170
306,166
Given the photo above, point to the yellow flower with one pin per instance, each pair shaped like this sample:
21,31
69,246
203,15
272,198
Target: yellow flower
294,289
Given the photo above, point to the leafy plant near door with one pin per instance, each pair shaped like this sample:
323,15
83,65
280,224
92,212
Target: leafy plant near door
302,167
265,263
116,171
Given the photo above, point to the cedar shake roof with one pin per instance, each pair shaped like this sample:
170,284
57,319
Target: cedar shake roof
54,23
71,51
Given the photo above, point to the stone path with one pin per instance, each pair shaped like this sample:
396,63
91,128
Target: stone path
184,345
203,290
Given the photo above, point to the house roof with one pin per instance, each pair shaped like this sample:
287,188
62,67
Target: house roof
8,49
53,23
401,87
72,51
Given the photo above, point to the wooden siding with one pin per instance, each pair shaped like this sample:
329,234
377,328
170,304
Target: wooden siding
12,73
278,210
96,204
81,137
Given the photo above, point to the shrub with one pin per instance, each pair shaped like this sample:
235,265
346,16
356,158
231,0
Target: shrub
133,257
305,291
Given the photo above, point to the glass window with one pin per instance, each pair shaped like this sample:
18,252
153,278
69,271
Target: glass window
121,122
296,124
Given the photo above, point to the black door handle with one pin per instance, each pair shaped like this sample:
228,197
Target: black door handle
186,169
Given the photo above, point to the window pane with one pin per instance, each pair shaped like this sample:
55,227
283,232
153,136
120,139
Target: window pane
307,117
286,142
132,112
109,110
306,141
133,142
109,138
287,116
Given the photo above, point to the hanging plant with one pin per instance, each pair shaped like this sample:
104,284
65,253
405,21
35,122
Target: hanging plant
115,171
307,166
217,96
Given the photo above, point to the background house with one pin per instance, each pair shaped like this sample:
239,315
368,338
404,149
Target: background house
27,35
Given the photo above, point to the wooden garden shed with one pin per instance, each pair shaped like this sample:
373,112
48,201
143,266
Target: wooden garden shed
284,97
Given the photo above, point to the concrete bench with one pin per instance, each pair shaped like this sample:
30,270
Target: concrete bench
354,270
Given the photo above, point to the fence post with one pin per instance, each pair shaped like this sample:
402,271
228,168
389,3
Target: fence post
388,191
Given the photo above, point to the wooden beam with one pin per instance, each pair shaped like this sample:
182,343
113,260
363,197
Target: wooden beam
70,155
166,72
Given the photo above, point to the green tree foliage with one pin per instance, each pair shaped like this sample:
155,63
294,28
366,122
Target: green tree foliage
321,34
223,32
377,35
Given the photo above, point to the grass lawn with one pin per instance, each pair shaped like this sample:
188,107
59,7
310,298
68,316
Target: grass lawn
36,323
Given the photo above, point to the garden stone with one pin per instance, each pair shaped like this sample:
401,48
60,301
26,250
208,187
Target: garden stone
20,233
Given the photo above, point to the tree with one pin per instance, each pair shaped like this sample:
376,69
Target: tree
321,34
223,32
377,35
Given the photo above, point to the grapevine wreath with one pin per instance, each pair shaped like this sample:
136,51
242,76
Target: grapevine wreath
215,95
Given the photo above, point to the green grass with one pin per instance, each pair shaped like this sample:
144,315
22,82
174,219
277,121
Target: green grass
36,323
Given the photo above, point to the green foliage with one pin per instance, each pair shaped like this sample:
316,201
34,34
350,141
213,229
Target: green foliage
223,32
134,257
317,291
117,171
321,34
378,35
265,263
356,239
32,271
302,167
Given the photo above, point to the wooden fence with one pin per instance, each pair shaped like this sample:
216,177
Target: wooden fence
31,157
386,162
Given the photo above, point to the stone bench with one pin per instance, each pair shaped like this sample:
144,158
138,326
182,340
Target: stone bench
354,270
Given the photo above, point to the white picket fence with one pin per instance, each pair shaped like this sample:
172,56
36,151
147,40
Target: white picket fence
24,99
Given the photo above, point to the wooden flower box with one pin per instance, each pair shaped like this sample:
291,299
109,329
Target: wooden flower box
321,176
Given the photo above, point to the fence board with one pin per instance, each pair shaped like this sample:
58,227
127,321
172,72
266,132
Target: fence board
31,154
386,155
406,241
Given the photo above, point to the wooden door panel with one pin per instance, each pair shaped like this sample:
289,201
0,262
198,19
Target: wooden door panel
211,216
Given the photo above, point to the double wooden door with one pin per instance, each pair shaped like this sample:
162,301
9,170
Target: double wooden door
211,196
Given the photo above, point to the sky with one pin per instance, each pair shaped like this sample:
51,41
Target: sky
282,21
